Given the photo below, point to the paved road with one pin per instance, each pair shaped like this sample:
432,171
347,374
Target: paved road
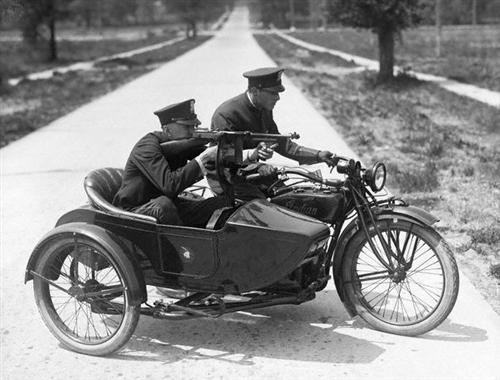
41,177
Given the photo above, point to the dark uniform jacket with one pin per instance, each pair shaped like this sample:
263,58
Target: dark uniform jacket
149,174
239,114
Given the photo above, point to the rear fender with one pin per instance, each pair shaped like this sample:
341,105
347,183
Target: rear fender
407,213
120,252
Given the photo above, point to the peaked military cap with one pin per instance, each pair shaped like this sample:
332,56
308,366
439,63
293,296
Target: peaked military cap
182,113
268,78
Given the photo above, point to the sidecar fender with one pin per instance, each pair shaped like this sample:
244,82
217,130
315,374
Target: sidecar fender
408,213
124,257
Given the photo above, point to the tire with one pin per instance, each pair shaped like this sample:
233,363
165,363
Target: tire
410,301
94,324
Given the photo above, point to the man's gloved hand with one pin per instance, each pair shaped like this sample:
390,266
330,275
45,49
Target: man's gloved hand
266,170
262,152
259,168
206,159
328,157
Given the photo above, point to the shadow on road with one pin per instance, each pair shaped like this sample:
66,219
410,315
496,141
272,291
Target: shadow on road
455,332
239,341
447,331
304,333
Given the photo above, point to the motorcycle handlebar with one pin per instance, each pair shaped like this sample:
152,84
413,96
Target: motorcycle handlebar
314,178
328,182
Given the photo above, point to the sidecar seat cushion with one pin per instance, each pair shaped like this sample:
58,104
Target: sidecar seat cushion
101,185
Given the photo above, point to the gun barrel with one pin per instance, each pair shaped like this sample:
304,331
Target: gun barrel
232,135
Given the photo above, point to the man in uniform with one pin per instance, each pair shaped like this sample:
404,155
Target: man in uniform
153,179
253,111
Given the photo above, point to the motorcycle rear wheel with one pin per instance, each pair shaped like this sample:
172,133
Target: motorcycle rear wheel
86,307
409,301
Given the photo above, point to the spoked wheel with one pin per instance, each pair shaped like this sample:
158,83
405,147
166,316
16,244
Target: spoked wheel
82,296
408,293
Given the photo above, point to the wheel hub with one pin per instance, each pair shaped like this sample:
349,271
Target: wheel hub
78,292
399,275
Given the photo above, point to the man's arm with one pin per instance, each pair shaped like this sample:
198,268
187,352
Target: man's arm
148,157
299,153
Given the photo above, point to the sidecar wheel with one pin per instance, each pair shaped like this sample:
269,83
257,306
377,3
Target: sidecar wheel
83,297
412,300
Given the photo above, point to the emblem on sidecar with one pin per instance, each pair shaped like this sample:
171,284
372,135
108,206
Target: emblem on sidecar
186,254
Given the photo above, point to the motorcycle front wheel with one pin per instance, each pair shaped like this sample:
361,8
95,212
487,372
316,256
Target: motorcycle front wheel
82,296
409,292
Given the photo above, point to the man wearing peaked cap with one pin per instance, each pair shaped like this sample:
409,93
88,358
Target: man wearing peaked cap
182,113
268,78
253,111
153,179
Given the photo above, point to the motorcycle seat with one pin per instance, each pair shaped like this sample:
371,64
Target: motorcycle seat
101,185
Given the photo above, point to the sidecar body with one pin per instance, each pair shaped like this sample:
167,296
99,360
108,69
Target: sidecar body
241,249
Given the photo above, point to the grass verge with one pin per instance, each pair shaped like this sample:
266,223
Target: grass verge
33,104
24,59
468,54
442,150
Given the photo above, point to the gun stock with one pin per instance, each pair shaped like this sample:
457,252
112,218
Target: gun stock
174,148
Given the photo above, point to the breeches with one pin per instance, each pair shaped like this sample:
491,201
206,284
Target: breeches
181,211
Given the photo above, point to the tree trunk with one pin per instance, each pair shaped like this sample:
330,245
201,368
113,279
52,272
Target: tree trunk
312,14
195,29
191,31
474,12
386,53
52,42
87,15
438,28
291,4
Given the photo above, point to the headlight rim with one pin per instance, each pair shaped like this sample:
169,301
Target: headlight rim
371,175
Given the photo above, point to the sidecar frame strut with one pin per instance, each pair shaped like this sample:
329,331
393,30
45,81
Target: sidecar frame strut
181,310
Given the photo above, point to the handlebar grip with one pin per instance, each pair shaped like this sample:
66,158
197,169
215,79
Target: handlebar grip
333,161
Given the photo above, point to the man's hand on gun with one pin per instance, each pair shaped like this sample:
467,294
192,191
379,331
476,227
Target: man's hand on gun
206,159
263,152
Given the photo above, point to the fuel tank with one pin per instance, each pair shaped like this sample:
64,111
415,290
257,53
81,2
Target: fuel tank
326,205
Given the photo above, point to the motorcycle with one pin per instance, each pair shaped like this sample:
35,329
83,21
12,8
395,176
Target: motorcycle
390,266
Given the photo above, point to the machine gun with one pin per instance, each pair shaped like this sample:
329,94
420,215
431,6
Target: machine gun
229,153
230,144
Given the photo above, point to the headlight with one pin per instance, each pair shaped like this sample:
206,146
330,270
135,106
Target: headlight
375,176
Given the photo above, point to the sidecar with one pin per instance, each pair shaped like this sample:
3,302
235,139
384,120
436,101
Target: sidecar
98,260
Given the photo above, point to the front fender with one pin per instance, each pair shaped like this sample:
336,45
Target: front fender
408,213
124,257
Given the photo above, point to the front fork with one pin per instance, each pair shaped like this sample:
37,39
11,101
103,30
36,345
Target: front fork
362,209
